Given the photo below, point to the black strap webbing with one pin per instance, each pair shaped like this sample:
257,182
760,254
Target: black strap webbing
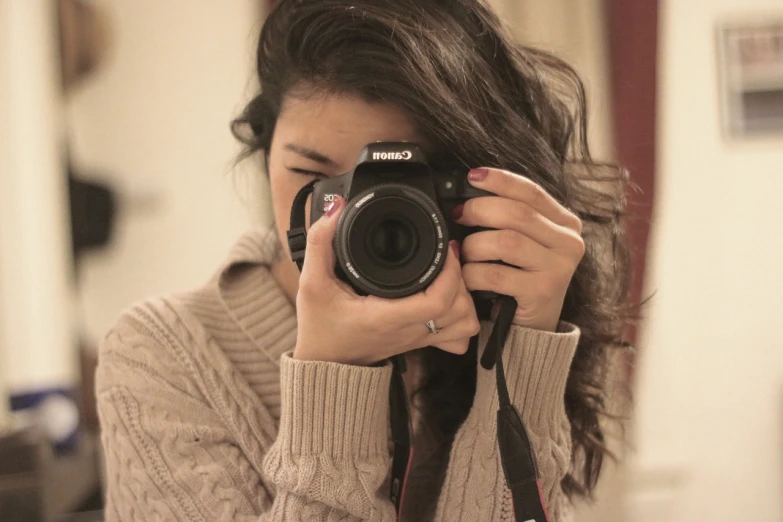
297,233
516,451
401,434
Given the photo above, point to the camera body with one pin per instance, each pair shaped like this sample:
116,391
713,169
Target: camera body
392,237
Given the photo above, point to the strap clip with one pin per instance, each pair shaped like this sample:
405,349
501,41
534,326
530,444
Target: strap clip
297,244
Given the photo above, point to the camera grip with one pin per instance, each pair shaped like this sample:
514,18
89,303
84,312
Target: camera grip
469,191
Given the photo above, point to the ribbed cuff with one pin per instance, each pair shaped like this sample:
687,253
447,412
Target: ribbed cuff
537,364
333,409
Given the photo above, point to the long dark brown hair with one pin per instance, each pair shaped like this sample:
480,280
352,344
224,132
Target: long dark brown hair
455,69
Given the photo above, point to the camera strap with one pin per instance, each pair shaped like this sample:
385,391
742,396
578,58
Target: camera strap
402,434
297,233
516,452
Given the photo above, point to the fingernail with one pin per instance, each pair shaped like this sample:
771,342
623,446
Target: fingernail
333,206
455,247
457,212
478,174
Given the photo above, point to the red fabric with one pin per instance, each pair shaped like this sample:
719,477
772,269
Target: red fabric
633,29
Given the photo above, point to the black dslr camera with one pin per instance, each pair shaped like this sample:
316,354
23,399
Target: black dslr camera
392,237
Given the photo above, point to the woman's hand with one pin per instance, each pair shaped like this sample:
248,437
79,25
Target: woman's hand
335,324
535,234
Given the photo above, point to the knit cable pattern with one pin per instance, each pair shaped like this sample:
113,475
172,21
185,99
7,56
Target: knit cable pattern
205,416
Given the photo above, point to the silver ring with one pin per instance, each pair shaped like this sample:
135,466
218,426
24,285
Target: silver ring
431,327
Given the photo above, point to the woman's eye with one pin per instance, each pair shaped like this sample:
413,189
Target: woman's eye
309,173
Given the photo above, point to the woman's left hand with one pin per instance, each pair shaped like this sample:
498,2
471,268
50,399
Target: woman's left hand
534,233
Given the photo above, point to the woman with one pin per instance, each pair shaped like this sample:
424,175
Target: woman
265,394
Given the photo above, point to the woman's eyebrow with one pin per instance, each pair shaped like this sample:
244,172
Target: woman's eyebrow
311,154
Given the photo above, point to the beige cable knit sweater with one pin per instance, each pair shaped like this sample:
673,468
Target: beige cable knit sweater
206,417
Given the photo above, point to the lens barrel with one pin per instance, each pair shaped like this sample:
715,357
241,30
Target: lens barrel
391,240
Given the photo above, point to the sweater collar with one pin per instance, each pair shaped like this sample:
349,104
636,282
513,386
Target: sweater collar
255,246
252,297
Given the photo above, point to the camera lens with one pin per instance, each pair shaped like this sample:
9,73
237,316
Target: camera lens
391,241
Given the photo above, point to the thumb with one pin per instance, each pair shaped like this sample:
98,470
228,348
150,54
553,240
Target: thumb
319,254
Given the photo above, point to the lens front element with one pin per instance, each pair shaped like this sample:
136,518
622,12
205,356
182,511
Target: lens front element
392,240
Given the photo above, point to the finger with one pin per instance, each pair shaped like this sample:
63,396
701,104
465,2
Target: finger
463,329
433,302
455,336
457,326
508,246
463,309
503,213
319,255
517,187
504,280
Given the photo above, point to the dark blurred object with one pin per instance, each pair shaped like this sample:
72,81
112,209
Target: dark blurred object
85,40
88,361
22,455
35,486
53,411
93,206
84,45
87,516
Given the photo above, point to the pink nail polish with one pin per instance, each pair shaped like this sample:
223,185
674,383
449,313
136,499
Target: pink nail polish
457,212
455,248
332,208
478,174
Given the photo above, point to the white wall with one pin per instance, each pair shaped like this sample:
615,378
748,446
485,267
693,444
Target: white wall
155,120
710,395
36,341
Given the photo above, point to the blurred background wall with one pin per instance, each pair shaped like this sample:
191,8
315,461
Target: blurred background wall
709,405
154,122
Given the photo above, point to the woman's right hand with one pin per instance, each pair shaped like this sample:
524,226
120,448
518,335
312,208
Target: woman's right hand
337,325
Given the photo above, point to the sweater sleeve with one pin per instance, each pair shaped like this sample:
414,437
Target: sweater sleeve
536,365
331,455
170,456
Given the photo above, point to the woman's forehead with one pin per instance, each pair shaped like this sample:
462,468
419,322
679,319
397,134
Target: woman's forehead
339,126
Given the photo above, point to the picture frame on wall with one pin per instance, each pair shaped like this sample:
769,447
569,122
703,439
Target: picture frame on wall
751,69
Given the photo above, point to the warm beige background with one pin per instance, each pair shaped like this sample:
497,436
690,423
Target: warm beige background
155,122
709,426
